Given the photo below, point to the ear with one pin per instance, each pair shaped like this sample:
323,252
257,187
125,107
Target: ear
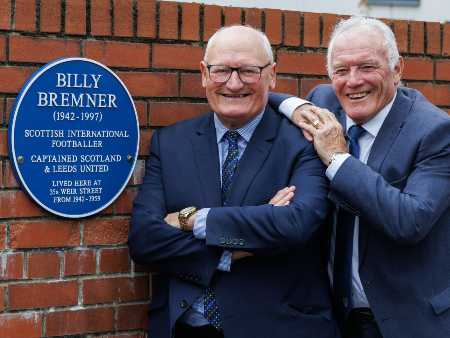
398,71
204,71
273,76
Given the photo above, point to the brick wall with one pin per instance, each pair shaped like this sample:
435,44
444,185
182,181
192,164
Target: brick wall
74,278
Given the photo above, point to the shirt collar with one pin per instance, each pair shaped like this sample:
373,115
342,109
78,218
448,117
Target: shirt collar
373,126
246,131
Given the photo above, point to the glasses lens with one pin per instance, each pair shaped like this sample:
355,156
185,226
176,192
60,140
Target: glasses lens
219,73
249,74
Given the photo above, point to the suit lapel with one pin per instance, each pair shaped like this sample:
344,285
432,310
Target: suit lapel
383,142
206,157
254,156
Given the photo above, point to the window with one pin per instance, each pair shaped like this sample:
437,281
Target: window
394,2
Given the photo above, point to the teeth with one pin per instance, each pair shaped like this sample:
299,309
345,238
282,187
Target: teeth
235,96
357,95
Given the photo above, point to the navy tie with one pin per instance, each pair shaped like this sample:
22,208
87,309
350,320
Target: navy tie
211,308
343,253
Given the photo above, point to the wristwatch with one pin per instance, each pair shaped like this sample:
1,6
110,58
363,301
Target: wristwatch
333,156
184,215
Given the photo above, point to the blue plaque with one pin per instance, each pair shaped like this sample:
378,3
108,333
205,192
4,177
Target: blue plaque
74,137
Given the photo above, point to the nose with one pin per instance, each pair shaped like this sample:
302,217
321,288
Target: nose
234,82
354,78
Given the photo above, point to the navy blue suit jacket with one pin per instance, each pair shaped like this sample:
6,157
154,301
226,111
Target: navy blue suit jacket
283,290
402,197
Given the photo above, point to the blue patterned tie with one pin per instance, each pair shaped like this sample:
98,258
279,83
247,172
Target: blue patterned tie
211,308
343,253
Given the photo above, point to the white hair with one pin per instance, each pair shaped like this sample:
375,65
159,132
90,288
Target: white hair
358,22
263,38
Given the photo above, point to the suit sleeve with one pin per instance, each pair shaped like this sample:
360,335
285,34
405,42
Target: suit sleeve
407,209
159,245
268,228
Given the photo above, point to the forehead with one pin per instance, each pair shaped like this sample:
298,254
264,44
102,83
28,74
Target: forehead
359,46
237,46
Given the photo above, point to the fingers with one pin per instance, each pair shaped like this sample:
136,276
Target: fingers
236,255
283,196
306,127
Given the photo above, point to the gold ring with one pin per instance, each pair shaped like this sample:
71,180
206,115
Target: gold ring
316,124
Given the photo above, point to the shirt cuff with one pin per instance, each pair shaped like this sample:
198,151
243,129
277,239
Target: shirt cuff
225,261
334,166
199,228
288,106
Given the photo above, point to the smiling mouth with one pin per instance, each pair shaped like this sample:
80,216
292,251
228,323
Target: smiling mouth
358,96
235,96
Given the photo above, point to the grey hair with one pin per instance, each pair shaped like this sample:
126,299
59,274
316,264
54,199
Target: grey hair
264,40
356,22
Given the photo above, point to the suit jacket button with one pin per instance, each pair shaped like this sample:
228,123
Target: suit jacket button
184,304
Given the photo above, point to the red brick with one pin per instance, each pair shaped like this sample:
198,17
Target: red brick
10,104
114,260
138,173
80,322
191,85
307,85
43,264
25,15
232,15
401,35
190,22
2,112
80,262
146,18
75,17
144,142
17,204
142,112
273,26
100,17
106,231
291,28
44,234
311,30
124,204
2,48
418,69
287,85
5,14
13,268
150,84
119,54
212,21
329,21
417,30
9,177
46,294
301,63
2,236
50,16
437,94
2,301
253,17
16,76
166,113
3,143
30,49
168,23
20,325
138,319
446,39
177,56
443,70
108,290
433,37
123,17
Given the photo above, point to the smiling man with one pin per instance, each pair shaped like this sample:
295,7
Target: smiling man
389,264
231,261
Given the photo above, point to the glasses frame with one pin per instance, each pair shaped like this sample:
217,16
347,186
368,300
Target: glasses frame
236,69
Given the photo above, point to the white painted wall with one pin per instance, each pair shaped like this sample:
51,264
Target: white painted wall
429,10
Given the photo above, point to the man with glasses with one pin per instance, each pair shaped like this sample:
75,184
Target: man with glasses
231,261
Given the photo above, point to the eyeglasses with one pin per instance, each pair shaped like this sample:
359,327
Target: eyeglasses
247,74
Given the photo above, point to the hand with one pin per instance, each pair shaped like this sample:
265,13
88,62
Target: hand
283,197
298,116
328,135
172,219
237,255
